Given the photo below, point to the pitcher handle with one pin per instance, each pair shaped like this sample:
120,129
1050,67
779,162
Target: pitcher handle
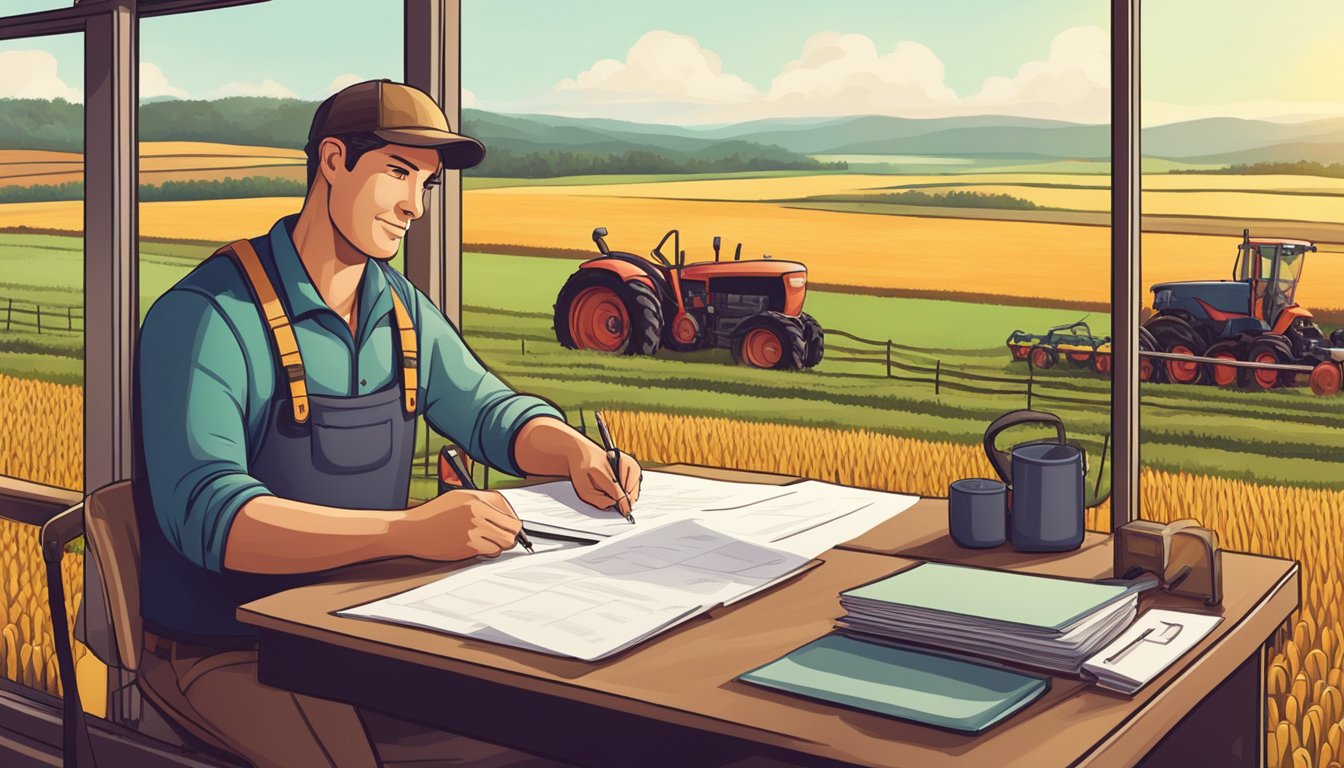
999,459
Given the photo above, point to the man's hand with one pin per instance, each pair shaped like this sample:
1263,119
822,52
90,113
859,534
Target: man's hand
461,524
551,448
590,472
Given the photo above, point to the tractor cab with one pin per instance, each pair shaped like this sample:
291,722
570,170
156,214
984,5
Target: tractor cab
1272,269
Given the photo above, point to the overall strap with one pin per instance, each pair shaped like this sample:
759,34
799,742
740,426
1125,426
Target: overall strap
409,351
281,331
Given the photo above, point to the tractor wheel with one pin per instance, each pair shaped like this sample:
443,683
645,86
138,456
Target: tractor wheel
1176,336
1337,337
770,340
597,310
1224,375
815,338
1077,359
1326,378
1043,357
1101,363
1268,349
683,334
1150,368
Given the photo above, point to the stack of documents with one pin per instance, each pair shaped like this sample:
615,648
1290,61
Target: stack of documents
806,518
1039,621
591,602
1155,641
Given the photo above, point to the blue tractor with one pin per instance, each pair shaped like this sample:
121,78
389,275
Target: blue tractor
1251,317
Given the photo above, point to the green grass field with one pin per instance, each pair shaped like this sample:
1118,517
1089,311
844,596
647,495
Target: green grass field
1285,436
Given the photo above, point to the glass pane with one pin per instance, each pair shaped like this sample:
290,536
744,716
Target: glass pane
939,195
1254,454
17,7
41,330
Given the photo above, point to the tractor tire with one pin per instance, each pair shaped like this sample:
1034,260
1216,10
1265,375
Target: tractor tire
1077,359
1337,337
1268,349
1176,336
598,310
1326,378
815,338
1042,357
770,340
1150,368
689,326
1224,375
1101,363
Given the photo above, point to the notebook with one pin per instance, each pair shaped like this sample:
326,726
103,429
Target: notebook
910,684
1041,621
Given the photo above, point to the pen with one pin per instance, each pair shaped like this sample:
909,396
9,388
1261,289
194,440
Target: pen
613,457
465,476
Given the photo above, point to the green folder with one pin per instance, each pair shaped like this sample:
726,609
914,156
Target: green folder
1049,603
900,682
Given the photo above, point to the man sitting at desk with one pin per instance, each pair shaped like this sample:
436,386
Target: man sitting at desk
277,387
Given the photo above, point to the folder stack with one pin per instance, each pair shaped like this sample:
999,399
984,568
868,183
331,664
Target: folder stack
1045,622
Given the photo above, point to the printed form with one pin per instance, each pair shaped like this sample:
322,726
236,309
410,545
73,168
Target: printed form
591,602
768,513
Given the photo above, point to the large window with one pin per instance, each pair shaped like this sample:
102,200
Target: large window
41,324
943,184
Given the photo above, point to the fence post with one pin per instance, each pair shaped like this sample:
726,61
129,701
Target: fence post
486,485
69,319
583,425
888,358
937,376
522,346
1031,377
9,313
39,318
1105,444
428,460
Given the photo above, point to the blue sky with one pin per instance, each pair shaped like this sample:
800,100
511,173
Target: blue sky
706,61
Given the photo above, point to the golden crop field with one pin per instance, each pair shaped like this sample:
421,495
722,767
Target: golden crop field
43,428
160,161
1305,676
27,645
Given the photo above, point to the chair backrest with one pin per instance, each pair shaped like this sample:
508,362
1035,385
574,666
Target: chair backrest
111,607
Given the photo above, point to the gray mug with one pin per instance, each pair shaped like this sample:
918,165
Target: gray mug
977,512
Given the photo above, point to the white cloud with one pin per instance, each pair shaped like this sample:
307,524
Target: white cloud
843,74
154,83
340,82
264,88
1072,84
468,99
31,74
662,64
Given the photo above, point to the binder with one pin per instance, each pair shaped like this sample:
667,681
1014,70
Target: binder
906,683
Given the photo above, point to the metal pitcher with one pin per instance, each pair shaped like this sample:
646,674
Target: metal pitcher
1046,481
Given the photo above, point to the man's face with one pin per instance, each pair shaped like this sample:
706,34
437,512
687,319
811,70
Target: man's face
373,204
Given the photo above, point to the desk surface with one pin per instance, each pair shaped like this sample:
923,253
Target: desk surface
630,708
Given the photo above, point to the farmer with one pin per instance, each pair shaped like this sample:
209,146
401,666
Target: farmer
277,389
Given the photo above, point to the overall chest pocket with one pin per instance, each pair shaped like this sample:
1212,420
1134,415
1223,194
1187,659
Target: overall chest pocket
349,442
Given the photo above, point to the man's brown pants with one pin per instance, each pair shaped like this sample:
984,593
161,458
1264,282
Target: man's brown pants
215,695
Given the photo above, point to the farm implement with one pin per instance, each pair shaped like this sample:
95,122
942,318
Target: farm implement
1072,343
1250,321
627,304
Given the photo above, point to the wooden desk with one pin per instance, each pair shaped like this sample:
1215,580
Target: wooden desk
674,701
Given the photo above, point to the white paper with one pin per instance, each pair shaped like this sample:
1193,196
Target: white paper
1129,670
797,517
590,602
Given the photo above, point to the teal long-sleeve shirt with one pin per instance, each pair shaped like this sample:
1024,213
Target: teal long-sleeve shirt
207,373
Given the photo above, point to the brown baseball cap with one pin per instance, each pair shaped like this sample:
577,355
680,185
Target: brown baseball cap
398,114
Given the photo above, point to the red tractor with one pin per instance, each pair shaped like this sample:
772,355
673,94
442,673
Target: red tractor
1252,317
623,303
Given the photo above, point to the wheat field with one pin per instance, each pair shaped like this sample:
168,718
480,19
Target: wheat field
1305,673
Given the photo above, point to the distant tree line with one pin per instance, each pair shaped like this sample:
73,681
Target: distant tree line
955,199
1299,168
551,163
267,122
214,189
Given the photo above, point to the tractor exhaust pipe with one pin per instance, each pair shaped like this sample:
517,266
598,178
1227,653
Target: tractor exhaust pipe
598,234
717,240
